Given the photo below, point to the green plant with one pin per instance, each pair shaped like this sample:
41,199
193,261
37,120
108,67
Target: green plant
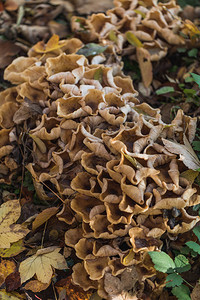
165,264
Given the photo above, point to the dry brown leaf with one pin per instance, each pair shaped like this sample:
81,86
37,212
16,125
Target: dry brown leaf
187,154
36,286
144,60
44,216
41,264
9,232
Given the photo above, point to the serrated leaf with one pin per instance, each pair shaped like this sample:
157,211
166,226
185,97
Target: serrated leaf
41,264
165,90
194,246
10,212
133,40
162,261
173,279
182,292
182,263
91,49
196,231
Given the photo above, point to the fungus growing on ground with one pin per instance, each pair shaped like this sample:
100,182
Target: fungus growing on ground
107,156
145,31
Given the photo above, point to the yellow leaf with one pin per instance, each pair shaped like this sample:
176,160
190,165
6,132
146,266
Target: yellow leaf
6,268
10,296
52,44
36,286
128,258
190,29
190,175
14,250
112,36
133,40
44,216
134,162
9,232
139,12
41,145
41,264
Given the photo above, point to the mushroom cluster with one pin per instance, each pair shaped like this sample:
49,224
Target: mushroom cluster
145,30
105,155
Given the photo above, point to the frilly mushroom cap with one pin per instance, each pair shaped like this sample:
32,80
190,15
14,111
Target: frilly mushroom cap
104,154
150,28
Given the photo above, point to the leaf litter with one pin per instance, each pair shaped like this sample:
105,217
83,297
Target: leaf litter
44,223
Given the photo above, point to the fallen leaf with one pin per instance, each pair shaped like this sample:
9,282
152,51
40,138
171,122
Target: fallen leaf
14,250
44,216
128,258
10,296
8,50
41,145
13,281
144,60
72,292
41,264
91,49
6,267
9,232
36,286
51,45
190,175
190,29
133,40
187,154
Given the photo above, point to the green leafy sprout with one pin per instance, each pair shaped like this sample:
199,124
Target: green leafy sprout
165,264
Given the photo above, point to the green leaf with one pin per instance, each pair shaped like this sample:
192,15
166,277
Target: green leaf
196,231
189,92
196,78
165,90
194,246
189,79
193,52
182,292
196,145
91,49
162,261
174,279
182,263
181,50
